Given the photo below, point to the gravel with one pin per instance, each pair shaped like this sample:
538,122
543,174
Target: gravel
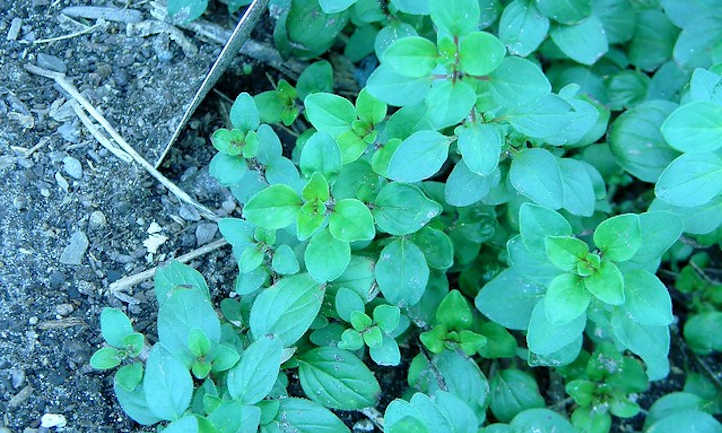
73,167
205,233
74,252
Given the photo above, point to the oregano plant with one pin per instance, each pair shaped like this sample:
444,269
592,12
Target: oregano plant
500,213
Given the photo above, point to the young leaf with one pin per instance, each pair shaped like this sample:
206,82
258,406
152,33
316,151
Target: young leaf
351,221
457,17
480,53
115,326
370,109
337,379
286,309
565,251
619,237
284,260
244,114
106,358
329,113
273,208
418,157
402,272
347,301
537,222
412,56
387,353
695,127
566,299
320,154
167,384
451,102
453,312
253,377
326,257
606,283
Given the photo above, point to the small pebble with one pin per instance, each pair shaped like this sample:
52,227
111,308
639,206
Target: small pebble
62,182
74,252
20,203
14,29
69,131
17,377
189,213
205,233
53,63
50,420
97,219
57,279
72,167
33,320
364,425
64,309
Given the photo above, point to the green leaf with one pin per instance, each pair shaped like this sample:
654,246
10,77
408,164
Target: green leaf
566,299
619,238
387,353
542,118
659,231
653,40
618,23
351,221
464,187
337,379
253,377
316,78
244,114
480,146
693,179
284,260
695,127
480,53
320,154
346,302
106,358
637,143
651,343
335,6
541,420
508,299
517,82
167,384
176,273
453,312
226,169
533,266
565,12
647,299
401,209
115,326
415,7
412,56
186,310
418,157
535,174
457,17
329,113
187,10
701,332
305,416
565,251
275,207
402,273
395,89
537,222
577,185
436,246
198,342
369,109
607,283
584,42
286,309
544,337
387,317
522,27
251,258
234,417
451,102
326,257
513,391
692,420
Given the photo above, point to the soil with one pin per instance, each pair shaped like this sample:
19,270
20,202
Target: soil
49,310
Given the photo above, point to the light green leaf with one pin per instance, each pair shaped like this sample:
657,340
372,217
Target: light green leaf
522,27
337,379
335,6
304,416
226,169
175,273
565,251
619,237
544,337
566,299
566,11
396,89
387,353
647,299
508,299
693,179
320,154
535,174
167,384
694,127
480,146
244,114
701,332
584,42
284,260
542,421
402,272
253,377
401,209
115,326
351,221
480,53
370,109
457,17
412,56
317,77
329,113
418,157
451,102
436,246
464,187
286,309
275,207
606,283
579,197
326,257
537,222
